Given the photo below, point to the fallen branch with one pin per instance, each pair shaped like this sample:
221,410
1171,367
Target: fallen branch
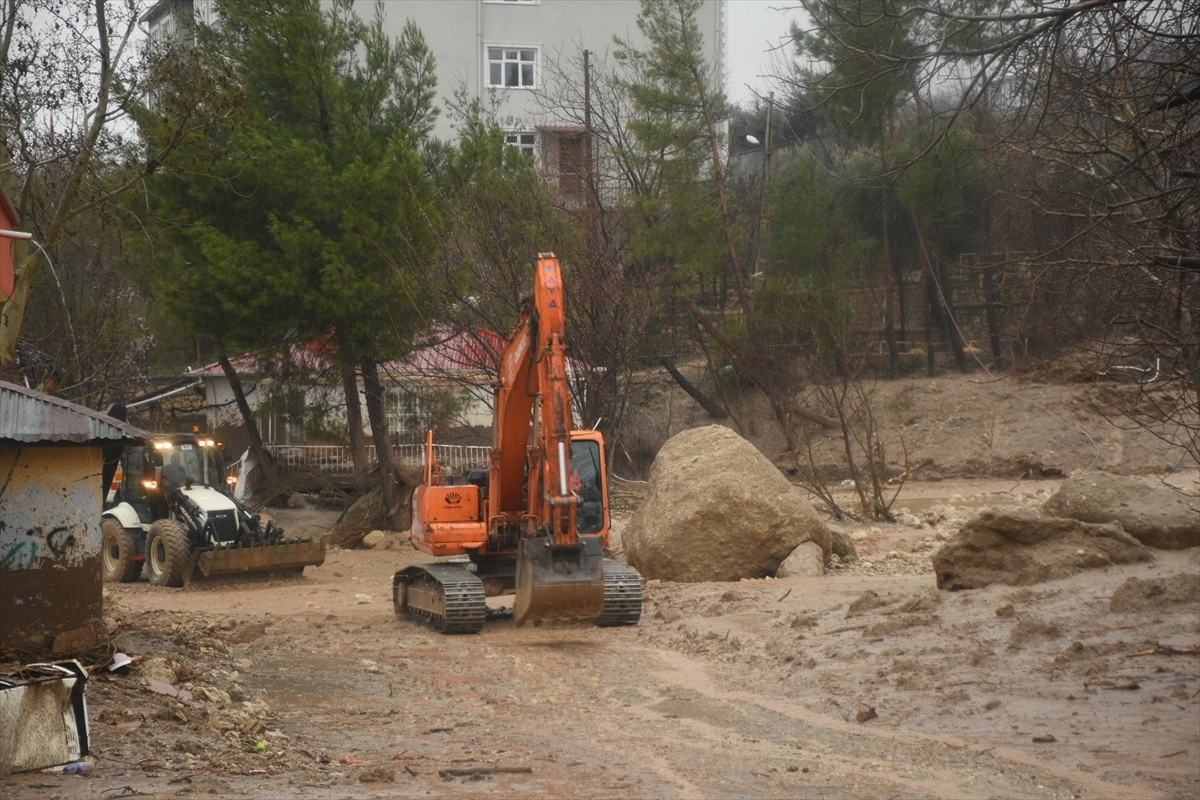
1166,650
468,771
350,759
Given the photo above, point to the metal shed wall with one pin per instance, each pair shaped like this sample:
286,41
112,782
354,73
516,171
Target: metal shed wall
50,577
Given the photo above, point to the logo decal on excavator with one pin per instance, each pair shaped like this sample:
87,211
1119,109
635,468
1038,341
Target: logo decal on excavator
453,498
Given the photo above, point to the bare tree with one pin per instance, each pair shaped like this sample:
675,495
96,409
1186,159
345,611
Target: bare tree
70,79
1088,111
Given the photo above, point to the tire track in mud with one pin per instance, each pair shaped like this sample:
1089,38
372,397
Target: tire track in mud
948,759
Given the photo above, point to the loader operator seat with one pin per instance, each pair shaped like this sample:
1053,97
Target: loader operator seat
173,474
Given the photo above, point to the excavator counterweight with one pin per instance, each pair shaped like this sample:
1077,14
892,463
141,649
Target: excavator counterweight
539,523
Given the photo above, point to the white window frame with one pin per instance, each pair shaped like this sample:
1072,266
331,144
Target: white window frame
514,139
505,51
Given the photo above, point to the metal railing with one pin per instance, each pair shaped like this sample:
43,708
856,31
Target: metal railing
337,460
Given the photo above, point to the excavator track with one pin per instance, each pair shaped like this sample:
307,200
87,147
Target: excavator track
622,595
445,596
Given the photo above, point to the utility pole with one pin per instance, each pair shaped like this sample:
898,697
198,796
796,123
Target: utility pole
764,225
587,126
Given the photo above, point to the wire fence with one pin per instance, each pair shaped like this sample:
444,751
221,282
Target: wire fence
338,460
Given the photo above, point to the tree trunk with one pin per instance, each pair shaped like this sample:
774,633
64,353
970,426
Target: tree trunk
708,405
261,456
379,432
889,303
953,335
358,445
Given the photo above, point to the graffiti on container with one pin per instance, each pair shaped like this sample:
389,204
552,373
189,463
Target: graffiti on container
57,542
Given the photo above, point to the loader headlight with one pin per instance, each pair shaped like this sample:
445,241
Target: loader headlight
231,480
151,485
163,445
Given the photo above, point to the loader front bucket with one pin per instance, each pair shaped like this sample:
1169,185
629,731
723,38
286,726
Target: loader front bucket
291,554
557,583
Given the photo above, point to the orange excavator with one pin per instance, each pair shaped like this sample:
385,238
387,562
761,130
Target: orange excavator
537,523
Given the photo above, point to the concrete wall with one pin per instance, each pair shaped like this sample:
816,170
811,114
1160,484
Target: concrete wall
459,31
50,579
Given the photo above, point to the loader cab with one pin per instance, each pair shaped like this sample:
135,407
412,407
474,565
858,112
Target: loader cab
148,470
136,483
197,460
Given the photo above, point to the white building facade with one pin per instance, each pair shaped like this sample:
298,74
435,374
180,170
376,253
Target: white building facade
494,51
498,51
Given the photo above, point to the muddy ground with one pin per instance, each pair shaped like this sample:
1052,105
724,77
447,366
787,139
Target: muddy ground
868,682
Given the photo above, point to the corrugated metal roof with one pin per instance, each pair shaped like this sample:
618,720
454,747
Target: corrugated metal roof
29,416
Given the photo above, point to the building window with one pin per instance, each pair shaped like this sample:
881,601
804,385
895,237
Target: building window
512,68
521,141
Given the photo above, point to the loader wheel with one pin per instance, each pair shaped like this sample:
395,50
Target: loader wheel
167,551
120,551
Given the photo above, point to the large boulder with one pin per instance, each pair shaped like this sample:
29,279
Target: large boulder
1158,516
1020,547
718,510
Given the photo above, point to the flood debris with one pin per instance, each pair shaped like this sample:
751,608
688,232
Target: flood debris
170,690
43,717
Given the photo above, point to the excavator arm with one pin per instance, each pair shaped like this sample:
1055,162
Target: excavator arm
559,572
530,474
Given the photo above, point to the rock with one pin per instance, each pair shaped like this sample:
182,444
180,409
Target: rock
1157,516
806,561
158,669
1019,547
841,540
297,501
217,697
373,538
718,510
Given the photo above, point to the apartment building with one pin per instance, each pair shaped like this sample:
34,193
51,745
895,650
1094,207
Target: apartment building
494,51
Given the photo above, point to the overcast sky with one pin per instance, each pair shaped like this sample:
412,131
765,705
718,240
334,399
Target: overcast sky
755,26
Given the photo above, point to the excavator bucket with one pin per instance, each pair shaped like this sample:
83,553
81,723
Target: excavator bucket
559,583
292,554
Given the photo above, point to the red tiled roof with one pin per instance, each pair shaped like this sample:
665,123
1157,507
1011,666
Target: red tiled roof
446,352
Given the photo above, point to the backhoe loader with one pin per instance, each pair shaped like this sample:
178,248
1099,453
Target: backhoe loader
536,522
168,508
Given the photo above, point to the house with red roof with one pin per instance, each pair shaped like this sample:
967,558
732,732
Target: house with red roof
298,397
